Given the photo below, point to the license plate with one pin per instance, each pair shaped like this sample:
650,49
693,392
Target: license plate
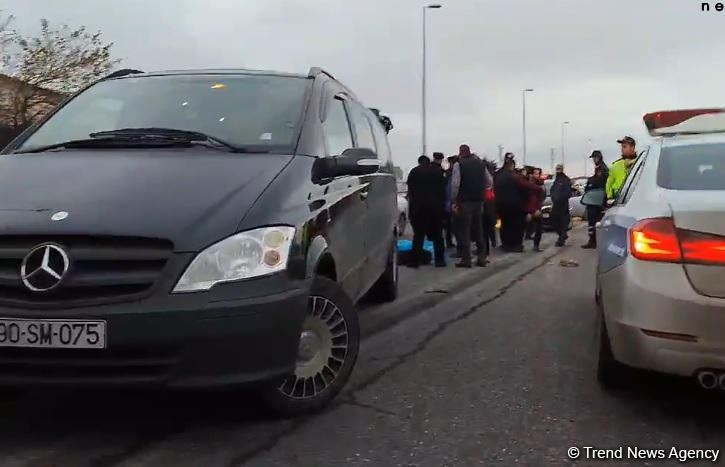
51,333
546,215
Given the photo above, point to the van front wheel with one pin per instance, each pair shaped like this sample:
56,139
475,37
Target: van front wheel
328,349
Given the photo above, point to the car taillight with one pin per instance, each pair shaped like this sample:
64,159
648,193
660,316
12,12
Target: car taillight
655,240
659,240
702,248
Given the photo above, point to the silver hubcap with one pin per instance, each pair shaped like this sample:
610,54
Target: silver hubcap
322,350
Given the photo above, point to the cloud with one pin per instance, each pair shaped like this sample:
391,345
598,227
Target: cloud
600,65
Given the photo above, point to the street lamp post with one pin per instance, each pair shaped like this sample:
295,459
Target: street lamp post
553,151
523,94
423,91
563,153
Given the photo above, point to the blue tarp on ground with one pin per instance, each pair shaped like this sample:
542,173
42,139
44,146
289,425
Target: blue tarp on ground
407,245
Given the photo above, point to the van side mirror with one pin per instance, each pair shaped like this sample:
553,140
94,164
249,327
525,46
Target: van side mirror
353,161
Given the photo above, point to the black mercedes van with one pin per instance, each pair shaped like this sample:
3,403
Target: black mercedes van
196,229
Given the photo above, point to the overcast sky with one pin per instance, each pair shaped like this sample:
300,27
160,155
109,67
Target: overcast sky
599,64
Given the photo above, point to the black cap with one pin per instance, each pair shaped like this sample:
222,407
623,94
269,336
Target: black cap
438,156
596,153
627,140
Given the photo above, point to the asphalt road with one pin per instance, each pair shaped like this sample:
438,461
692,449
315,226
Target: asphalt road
501,373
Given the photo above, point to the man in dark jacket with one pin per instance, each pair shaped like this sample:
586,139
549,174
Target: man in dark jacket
598,181
438,161
512,190
426,202
561,192
469,182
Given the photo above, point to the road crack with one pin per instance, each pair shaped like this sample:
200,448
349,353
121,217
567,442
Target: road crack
140,445
243,458
353,401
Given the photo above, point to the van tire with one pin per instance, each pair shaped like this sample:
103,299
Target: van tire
386,288
332,318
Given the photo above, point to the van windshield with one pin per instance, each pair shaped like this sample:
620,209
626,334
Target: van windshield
693,167
244,110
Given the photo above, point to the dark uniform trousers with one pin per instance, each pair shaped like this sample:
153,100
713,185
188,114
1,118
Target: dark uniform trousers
594,215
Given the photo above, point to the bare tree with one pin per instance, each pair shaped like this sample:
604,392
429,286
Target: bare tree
7,36
56,63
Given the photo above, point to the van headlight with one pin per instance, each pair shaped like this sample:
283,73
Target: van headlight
244,255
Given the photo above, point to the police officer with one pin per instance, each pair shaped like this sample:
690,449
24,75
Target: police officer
620,169
598,181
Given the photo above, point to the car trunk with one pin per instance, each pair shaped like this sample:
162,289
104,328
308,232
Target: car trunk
702,212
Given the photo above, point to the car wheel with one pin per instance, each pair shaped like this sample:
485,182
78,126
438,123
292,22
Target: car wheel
386,288
328,350
402,224
610,373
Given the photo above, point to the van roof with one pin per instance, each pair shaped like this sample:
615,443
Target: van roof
214,71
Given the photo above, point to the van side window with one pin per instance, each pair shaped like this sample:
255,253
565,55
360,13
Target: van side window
336,128
363,129
381,141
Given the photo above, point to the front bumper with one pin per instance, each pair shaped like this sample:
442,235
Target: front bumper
640,297
240,333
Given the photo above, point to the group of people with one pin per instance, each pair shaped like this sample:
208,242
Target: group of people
520,194
450,199
463,201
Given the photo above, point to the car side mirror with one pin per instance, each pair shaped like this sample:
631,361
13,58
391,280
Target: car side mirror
352,162
594,197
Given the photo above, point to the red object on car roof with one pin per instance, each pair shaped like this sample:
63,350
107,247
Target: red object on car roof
666,121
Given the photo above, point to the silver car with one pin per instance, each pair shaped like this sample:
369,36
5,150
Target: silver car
660,285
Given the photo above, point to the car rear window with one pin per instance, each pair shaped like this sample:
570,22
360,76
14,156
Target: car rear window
692,167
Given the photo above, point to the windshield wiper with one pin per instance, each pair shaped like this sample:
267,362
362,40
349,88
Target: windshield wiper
117,141
171,133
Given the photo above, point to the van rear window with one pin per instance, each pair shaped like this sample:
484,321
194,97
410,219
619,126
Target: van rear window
693,167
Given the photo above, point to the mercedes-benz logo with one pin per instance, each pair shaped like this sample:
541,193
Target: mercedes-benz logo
59,216
44,267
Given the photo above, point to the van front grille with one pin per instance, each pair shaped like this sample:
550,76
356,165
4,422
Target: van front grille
102,269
